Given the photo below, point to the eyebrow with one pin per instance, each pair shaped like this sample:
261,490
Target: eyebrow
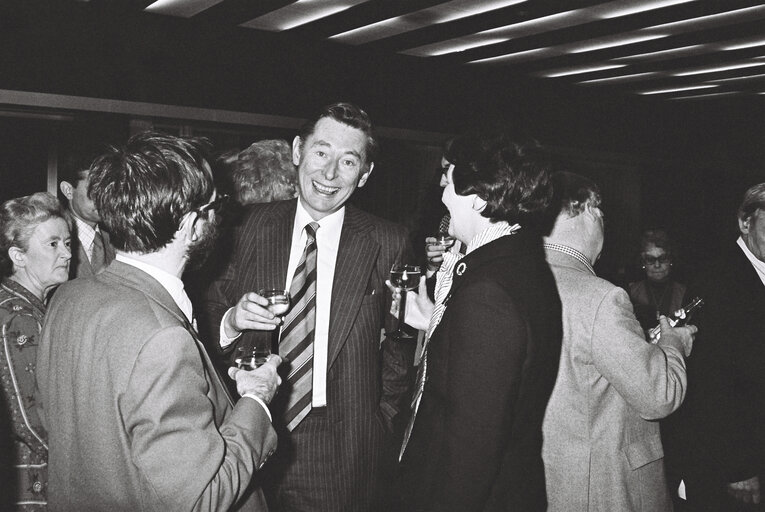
324,143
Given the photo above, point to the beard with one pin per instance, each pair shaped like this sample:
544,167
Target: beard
201,249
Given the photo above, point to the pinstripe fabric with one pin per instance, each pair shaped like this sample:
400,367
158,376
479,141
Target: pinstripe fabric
332,463
296,345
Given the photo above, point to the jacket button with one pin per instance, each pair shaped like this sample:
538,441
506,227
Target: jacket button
37,487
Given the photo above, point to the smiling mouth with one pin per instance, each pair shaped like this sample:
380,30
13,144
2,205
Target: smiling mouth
322,189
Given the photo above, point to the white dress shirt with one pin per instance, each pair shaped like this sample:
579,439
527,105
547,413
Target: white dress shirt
86,234
758,265
327,243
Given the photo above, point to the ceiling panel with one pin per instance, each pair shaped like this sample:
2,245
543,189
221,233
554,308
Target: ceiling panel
687,49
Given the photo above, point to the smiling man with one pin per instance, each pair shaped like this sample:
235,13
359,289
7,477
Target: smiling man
339,411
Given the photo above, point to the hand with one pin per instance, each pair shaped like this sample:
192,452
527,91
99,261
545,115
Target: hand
679,337
251,312
435,254
747,491
419,308
261,382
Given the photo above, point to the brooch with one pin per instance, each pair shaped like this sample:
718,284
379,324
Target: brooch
461,268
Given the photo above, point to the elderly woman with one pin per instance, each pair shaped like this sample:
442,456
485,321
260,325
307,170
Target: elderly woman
34,258
264,172
657,294
491,356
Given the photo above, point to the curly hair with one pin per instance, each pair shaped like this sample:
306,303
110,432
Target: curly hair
143,190
18,219
511,175
264,172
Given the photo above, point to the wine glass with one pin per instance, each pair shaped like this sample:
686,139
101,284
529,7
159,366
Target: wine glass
404,278
251,358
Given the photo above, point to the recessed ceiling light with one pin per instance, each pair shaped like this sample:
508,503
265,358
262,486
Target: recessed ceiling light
511,57
299,13
636,7
457,8
717,69
182,8
742,45
611,42
467,46
677,89
580,70
620,78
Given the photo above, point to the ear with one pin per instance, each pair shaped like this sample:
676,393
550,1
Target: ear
297,150
364,177
743,225
478,203
18,257
189,227
67,189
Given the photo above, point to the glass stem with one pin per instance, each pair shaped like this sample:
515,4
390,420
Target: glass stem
402,310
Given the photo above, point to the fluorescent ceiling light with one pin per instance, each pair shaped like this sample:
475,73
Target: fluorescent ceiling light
677,89
601,43
739,78
717,69
672,52
467,46
536,25
741,46
459,9
697,96
721,18
182,8
300,13
511,57
580,70
636,7
620,78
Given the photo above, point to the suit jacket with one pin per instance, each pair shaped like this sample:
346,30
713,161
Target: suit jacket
491,366
718,435
138,418
601,450
79,266
368,382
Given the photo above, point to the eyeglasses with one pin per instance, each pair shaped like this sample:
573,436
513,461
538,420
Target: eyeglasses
653,260
214,206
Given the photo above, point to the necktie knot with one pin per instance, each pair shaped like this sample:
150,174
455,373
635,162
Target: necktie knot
310,230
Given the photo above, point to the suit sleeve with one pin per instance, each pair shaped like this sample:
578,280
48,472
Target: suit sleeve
651,378
397,360
488,339
185,460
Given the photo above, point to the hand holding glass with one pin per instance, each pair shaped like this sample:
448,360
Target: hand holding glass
278,304
404,278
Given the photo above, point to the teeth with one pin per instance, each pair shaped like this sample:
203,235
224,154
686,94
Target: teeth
325,190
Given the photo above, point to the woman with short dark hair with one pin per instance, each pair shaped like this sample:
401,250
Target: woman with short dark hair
493,345
34,259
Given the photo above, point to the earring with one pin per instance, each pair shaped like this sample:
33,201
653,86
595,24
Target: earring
643,267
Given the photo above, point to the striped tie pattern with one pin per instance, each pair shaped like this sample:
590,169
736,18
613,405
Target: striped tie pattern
296,345
443,285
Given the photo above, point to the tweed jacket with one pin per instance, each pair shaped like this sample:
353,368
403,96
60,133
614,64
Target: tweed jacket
602,451
137,416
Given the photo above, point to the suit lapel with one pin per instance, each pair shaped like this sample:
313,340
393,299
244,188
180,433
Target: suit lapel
273,245
356,256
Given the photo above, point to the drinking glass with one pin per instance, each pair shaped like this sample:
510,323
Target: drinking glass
251,358
404,278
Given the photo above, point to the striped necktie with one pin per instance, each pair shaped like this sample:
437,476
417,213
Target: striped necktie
97,256
296,345
443,285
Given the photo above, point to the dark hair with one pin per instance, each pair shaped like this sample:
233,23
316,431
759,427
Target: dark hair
754,199
511,175
18,219
572,193
77,161
264,172
143,190
349,114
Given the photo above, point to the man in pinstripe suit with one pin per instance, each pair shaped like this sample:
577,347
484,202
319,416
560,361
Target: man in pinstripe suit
334,458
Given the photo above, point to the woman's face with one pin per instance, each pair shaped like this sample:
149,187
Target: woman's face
657,263
45,263
461,225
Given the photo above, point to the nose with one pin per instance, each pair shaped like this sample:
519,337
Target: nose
330,170
66,252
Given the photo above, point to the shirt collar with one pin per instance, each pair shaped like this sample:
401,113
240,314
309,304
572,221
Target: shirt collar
496,230
577,255
169,282
758,265
332,222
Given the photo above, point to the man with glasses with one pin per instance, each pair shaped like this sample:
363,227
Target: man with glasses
137,416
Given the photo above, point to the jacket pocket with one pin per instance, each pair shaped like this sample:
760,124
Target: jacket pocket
643,451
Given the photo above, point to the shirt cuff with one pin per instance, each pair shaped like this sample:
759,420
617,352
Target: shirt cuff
261,402
225,341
